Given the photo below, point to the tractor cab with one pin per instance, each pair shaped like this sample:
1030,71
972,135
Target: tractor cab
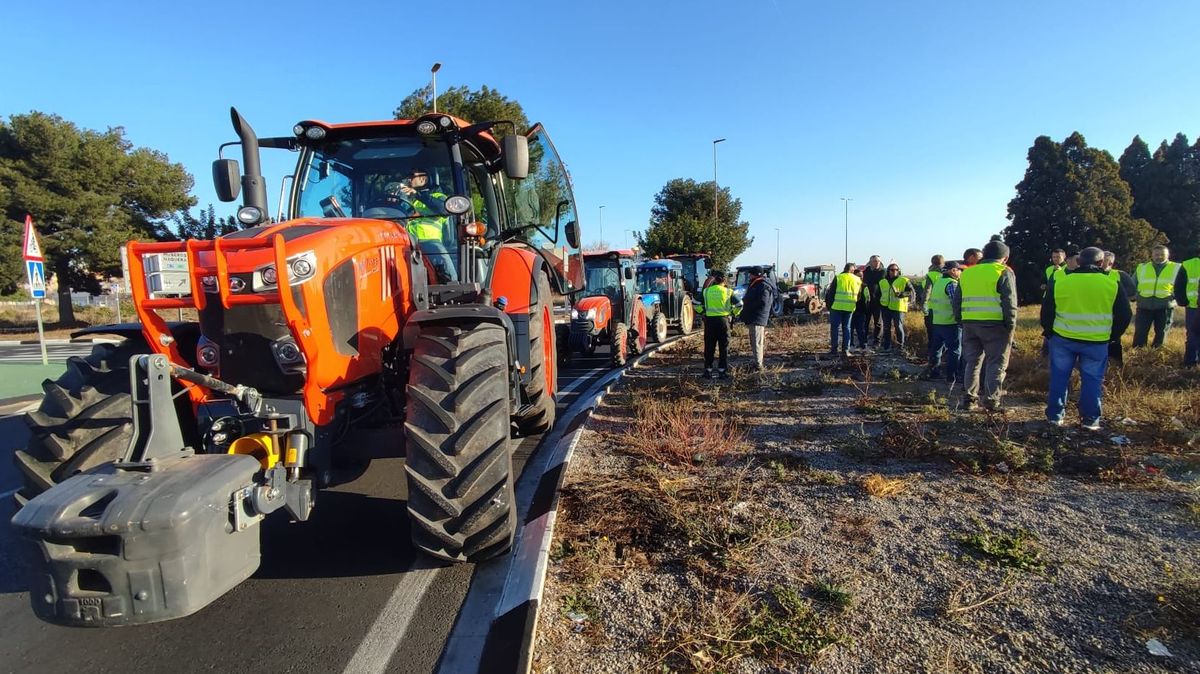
608,312
695,269
667,301
741,283
820,275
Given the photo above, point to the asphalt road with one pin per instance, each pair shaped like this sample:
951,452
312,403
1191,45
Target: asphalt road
342,592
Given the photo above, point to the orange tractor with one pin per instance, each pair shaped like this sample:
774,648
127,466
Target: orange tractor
610,312
408,283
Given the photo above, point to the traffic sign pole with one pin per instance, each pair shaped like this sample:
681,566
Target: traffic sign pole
41,333
35,268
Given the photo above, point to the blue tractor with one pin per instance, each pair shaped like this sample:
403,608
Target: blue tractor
664,294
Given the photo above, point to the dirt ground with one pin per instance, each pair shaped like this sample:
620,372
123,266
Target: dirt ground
841,515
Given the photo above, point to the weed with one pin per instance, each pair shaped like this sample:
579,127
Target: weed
667,430
831,593
856,528
826,478
580,602
1018,548
882,487
786,627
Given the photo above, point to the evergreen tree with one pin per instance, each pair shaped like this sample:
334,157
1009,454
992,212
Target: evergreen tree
89,192
483,105
1072,196
207,226
681,221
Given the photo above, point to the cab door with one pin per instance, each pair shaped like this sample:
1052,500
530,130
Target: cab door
545,200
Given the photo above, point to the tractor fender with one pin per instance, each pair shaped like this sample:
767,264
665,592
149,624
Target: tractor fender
466,313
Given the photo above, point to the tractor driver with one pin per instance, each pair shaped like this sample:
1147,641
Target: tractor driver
425,209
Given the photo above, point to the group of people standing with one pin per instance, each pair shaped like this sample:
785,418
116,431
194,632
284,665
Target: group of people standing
971,311
718,305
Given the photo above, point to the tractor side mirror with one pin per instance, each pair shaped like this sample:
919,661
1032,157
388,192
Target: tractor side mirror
572,232
629,273
516,157
227,179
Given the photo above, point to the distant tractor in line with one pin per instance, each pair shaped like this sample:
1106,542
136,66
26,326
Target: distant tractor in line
807,295
667,302
608,312
696,267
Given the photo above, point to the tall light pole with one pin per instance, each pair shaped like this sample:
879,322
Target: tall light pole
433,71
846,201
627,233
777,253
716,191
601,223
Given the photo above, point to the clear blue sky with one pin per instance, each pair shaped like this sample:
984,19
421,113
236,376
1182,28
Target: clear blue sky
921,112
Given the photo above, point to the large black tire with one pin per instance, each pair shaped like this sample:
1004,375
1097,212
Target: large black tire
620,345
460,479
84,420
543,375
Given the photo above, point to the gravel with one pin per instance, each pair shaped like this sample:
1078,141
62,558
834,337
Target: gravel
922,599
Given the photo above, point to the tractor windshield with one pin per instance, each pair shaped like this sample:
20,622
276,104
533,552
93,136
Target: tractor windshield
652,280
405,179
742,279
603,278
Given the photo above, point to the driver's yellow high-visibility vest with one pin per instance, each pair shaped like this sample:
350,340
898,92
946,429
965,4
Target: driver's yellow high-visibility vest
1083,306
845,295
941,310
1157,284
428,227
891,294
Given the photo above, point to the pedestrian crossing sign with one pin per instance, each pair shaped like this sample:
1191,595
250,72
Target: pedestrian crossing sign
31,249
36,270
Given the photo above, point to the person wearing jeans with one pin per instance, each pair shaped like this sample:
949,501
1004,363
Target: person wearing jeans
760,297
1082,313
986,305
945,334
895,292
842,297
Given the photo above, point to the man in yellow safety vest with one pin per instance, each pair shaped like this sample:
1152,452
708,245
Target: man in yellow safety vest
1156,297
986,305
945,335
842,297
931,277
1081,314
1187,290
717,305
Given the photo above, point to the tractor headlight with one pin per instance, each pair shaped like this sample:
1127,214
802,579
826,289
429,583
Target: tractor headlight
249,215
591,314
209,284
208,354
287,353
301,267
426,127
574,313
269,277
314,133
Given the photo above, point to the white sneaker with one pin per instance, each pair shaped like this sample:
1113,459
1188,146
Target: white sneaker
1093,425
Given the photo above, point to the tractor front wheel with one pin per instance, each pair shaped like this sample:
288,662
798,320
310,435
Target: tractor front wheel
687,318
660,328
461,499
84,420
815,305
620,345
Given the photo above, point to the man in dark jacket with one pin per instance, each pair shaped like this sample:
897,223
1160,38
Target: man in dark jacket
1082,313
872,275
757,303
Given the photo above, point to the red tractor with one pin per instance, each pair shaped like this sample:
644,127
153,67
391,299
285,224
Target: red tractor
409,283
608,312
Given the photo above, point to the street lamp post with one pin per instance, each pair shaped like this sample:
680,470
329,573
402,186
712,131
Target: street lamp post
846,201
433,71
627,233
776,252
716,190
602,223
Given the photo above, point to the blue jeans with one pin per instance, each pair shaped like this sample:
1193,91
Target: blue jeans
892,318
858,325
839,321
1191,349
1092,359
946,340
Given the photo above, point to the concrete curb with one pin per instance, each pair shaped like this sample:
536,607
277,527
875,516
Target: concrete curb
497,623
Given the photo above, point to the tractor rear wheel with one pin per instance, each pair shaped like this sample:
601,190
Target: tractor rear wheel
640,334
461,499
620,345
543,370
687,318
659,333
84,420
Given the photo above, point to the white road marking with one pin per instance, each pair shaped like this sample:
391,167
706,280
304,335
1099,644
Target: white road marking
584,377
9,493
385,635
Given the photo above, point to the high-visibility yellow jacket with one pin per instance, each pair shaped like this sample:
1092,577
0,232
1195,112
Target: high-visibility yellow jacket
980,297
893,294
1157,284
718,300
1083,306
845,296
941,309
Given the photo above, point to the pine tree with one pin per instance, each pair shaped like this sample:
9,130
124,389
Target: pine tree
681,221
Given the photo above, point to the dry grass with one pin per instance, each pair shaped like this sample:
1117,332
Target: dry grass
882,487
671,430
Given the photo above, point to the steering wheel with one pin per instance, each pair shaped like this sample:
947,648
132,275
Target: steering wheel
389,209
